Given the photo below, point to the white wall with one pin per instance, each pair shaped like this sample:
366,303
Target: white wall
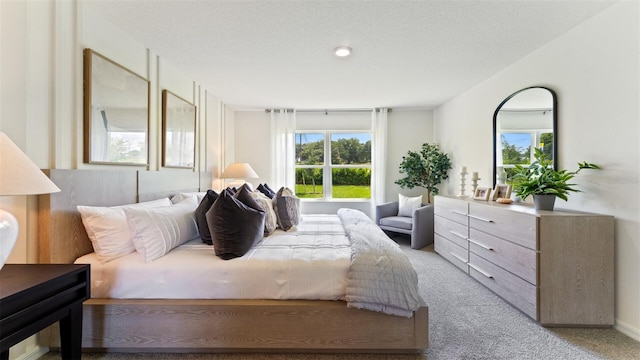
252,143
595,71
41,94
407,130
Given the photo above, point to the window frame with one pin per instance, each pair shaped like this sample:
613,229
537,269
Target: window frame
327,166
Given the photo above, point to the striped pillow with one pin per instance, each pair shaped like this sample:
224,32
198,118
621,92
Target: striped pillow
156,231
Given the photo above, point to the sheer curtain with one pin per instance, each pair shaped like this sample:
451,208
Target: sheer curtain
379,157
283,130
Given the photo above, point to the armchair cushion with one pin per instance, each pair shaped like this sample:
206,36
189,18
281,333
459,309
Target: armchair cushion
400,222
406,204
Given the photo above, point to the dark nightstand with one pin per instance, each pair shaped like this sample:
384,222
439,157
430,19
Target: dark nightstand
34,296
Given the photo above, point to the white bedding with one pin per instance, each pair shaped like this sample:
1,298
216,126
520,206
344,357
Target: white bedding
280,267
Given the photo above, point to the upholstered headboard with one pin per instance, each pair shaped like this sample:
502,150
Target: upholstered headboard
62,237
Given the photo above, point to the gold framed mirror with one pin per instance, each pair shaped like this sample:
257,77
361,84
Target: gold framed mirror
178,131
116,113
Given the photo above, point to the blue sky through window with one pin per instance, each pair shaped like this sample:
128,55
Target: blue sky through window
520,140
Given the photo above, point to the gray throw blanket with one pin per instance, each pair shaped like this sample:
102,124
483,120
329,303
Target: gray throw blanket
380,277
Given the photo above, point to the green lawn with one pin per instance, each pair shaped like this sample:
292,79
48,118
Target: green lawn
339,192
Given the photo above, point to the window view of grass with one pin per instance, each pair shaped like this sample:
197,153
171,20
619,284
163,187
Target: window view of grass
351,191
349,165
339,192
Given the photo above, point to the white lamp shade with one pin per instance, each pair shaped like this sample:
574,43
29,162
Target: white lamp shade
18,174
239,171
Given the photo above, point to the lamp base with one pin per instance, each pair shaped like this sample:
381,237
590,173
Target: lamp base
8,235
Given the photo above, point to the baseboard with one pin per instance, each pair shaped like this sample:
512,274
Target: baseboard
627,329
33,353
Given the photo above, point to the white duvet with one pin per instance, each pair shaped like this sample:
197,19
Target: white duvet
308,263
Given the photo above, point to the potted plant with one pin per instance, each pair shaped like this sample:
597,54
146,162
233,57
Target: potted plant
543,182
426,169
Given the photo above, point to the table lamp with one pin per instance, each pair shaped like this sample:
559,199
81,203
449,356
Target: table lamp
18,176
239,171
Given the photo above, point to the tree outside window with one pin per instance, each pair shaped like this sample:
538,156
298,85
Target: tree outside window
346,174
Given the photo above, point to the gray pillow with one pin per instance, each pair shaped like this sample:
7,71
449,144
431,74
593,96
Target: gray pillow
235,226
265,189
287,207
201,216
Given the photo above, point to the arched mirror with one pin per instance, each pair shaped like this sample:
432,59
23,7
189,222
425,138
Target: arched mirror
525,120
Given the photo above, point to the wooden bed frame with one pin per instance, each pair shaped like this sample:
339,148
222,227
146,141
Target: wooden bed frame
191,325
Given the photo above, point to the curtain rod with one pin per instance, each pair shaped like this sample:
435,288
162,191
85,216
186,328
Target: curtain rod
327,110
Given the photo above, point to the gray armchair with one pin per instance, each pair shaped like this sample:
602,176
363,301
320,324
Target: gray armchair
420,226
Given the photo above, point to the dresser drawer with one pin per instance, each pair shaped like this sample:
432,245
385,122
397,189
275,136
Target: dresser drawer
516,227
451,230
508,286
452,252
517,259
452,209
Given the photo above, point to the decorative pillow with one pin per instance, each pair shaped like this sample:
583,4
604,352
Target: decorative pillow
201,216
406,205
266,190
156,231
108,229
270,189
181,196
287,208
270,219
234,226
244,194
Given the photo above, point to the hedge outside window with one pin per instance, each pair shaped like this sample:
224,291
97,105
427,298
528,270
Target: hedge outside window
345,174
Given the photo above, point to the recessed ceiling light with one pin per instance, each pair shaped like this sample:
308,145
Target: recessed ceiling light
342,51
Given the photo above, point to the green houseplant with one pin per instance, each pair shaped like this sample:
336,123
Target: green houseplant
426,169
541,180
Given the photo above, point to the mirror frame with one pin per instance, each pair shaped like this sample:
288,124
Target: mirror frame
172,106
91,102
555,127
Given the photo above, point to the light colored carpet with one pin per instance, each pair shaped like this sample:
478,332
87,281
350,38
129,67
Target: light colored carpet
466,321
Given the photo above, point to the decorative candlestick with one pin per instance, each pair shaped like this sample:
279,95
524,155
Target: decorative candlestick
474,180
463,173
501,175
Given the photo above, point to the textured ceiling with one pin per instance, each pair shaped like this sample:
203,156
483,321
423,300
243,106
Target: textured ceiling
406,54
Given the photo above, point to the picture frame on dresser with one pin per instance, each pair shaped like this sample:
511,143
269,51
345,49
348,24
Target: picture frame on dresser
115,113
501,191
482,193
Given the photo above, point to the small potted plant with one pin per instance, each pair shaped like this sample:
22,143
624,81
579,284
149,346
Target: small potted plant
543,182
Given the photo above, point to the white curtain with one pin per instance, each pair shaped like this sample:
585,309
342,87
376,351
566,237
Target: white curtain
283,131
379,157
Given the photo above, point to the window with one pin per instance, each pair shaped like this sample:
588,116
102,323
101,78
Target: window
518,147
333,165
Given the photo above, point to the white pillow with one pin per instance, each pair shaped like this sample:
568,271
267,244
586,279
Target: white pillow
181,196
406,205
108,229
155,231
270,219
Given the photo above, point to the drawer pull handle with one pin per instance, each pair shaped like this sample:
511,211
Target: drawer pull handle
480,271
481,219
458,257
458,212
458,234
481,244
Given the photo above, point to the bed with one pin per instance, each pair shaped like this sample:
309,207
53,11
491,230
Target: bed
202,325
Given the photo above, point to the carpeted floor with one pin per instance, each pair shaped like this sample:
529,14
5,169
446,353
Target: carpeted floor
466,321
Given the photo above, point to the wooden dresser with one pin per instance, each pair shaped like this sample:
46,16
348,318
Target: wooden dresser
555,266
